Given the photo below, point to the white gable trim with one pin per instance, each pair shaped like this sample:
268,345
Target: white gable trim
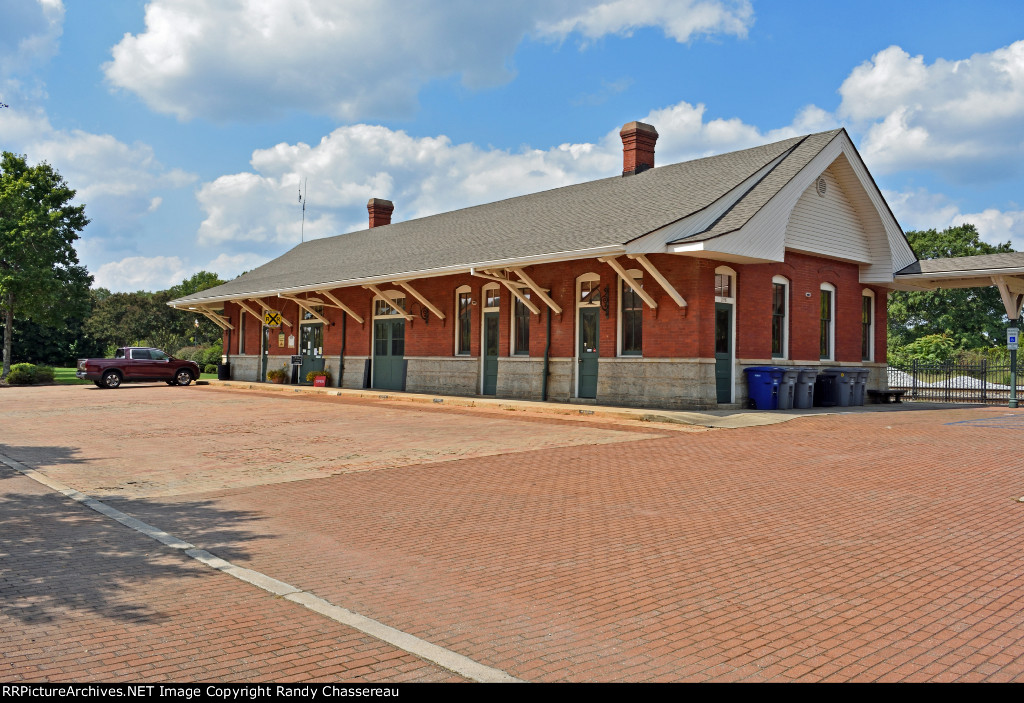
763,237
654,242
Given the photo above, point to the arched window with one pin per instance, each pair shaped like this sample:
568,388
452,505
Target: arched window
463,319
725,285
867,325
827,334
631,316
780,317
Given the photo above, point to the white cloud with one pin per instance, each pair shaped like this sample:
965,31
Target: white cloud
29,33
116,181
240,59
259,208
920,209
960,117
141,273
679,19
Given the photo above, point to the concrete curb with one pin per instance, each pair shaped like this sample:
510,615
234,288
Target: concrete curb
719,419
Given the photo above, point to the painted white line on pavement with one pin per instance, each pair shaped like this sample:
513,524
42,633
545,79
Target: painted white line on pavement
445,658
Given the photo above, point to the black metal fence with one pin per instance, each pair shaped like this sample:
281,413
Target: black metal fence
955,383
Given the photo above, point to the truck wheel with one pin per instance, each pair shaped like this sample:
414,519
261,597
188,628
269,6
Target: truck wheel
183,377
111,379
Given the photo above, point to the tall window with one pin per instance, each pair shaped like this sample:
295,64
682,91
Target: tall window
241,330
521,326
463,304
780,316
827,321
867,323
632,317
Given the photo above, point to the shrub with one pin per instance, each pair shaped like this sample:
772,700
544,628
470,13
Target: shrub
311,376
210,368
277,375
212,354
191,353
29,374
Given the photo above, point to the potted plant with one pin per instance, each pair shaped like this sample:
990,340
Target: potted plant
277,375
312,377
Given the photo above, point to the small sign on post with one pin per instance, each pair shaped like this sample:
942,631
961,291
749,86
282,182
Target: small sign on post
1012,335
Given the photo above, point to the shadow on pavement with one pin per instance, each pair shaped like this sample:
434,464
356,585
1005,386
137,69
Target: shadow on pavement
59,555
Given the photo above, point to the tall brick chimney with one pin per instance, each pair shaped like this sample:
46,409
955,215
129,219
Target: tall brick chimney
380,211
637,147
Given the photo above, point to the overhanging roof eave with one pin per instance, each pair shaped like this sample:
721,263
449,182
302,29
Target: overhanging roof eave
589,253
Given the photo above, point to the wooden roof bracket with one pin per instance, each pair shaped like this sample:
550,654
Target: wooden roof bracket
512,287
308,307
246,308
391,303
662,281
555,308
414,293
265,307
1011,290
341,306
630,281
218,320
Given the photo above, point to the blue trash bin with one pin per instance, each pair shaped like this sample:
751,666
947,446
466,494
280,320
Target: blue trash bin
763,386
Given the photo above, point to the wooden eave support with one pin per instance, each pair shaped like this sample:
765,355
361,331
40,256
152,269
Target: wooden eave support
630,281
400,311
218,320
414,293
308,307
512,287
555,308
246,308
340,305
264,306
1011,290
662,281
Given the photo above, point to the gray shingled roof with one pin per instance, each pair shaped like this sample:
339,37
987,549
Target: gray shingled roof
966,264
604,213
765,189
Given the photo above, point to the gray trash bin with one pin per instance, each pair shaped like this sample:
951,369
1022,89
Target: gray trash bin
803,395
860,386
787,388
826,388
845,383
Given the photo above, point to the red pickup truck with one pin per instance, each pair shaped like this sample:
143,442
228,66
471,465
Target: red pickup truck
138,364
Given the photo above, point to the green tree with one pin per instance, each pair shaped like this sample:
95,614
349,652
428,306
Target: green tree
971,317
40,277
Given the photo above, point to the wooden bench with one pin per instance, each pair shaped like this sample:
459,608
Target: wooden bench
883,397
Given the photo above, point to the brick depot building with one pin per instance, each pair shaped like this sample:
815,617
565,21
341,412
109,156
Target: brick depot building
655,287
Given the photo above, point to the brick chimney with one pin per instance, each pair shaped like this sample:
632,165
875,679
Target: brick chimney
380,211
637,147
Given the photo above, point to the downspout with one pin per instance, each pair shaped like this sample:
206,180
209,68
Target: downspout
341,354
547,352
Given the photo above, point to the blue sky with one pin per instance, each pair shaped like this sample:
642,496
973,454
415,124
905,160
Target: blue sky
187,125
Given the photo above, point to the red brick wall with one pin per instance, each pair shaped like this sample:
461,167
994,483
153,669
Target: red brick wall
668,330
806,274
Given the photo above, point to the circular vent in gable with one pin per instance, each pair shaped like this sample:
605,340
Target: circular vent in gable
821,187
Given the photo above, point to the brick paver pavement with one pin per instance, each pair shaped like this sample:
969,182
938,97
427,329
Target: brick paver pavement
867,547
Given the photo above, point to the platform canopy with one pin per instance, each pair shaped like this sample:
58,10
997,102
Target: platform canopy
1004,271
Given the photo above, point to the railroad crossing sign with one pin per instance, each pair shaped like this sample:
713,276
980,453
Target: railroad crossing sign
272,318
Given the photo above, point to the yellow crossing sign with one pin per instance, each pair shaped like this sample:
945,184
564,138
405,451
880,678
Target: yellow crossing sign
272,318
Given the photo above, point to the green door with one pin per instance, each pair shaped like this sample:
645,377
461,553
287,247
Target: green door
389,354
723,352
311,347
264,352
588,353
490,353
